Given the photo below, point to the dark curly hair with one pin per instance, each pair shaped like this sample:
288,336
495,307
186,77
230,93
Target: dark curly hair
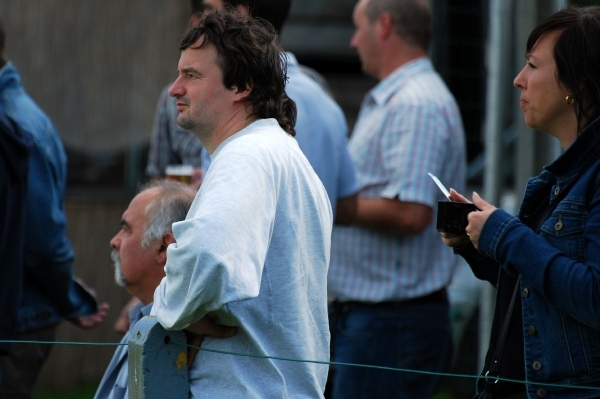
249,56
274,11
577,56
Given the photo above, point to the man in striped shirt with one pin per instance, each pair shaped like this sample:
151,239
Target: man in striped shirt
390,270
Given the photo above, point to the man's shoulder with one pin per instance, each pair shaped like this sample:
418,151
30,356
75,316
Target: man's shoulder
300,84
314,105
307,82
29,116
425,90
260,136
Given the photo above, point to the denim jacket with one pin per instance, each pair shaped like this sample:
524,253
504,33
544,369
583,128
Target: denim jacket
559,268
50,293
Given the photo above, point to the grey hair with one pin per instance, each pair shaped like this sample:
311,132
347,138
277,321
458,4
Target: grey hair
170,205
411,19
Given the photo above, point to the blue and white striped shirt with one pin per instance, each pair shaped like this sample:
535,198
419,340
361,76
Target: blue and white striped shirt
408,125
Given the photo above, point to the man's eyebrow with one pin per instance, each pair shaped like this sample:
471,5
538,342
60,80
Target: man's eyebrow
190,69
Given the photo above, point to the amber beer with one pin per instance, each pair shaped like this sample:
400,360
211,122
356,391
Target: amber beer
182,173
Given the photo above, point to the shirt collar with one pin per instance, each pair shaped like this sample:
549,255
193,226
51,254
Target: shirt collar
389,86
291,60
138,311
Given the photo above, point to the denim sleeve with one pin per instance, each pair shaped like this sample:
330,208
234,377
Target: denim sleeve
568,284
48,252
483,267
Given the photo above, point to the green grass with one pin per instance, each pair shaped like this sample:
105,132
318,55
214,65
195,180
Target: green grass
443,394
86,392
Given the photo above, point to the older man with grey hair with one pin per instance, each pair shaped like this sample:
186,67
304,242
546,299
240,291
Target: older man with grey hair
139,255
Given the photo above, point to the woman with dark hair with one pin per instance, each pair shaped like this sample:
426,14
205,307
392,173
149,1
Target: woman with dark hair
545,263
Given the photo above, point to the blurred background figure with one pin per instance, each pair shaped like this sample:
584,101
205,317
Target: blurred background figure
50,292
14,165
388,272
169,143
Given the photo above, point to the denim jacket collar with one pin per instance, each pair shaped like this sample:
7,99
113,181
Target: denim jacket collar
562,173
9,77
584,150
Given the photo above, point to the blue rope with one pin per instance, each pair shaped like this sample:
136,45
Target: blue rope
312,361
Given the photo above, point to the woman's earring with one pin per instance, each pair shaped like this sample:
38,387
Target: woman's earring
569,100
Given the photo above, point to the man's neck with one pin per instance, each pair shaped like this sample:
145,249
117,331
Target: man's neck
394,58
232,127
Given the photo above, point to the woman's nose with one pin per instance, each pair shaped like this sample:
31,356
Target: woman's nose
520,80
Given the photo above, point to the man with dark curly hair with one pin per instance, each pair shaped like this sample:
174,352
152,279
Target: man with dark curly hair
253,251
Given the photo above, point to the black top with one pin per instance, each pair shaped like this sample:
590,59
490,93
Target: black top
14,165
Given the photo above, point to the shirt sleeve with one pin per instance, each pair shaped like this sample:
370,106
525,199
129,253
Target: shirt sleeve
413,140
347,183
568,284
222,245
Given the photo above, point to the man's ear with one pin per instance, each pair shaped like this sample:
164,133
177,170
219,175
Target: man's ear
167,239
385,25
241,94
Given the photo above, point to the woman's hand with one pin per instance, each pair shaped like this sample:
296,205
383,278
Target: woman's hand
476,221
456,240
478,218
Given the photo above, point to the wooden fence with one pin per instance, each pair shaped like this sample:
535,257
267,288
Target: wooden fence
96,67
157,362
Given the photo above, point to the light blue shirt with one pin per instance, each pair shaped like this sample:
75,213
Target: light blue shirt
321,132
253,253
408,125
114,381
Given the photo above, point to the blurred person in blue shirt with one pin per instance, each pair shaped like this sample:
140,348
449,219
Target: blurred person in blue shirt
50,292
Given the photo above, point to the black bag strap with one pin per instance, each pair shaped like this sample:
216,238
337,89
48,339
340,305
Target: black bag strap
495,367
